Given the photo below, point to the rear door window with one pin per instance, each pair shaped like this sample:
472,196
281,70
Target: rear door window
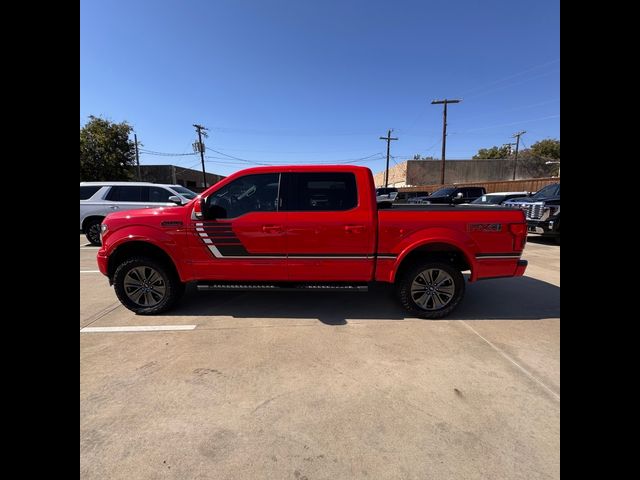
322,191
126,193
88,191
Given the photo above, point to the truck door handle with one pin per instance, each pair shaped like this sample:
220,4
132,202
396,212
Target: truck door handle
114,207
354,228
272,229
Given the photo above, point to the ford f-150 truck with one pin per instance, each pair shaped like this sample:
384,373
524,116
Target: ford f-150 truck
310,228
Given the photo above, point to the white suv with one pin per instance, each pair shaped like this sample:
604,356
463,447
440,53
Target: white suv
99,199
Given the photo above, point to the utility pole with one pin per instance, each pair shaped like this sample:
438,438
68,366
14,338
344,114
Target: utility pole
508,145
515,163
388,138
445,102
199,147
135,138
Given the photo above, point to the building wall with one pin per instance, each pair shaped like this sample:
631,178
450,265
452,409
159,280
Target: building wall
397,176
424,172
427,172
186,177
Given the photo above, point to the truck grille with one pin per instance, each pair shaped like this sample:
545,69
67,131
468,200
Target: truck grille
533,211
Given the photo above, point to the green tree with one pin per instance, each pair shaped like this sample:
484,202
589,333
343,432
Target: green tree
493,152
532,161
106,153
549,148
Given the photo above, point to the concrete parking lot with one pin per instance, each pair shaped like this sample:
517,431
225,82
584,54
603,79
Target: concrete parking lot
326,385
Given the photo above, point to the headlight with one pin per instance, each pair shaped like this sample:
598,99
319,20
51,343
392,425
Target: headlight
550,211
553,210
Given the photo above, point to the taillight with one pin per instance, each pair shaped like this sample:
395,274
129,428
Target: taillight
518,228
519,231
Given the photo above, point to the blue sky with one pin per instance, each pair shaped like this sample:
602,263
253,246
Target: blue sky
292,82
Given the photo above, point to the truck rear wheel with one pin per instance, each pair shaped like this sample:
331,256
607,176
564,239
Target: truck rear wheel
430,289
146,286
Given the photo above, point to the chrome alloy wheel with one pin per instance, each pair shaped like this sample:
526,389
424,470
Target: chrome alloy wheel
144,286
432,289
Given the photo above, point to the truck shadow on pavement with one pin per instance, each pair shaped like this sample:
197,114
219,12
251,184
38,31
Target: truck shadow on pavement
522,298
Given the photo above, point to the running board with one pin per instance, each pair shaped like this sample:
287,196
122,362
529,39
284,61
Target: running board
309,287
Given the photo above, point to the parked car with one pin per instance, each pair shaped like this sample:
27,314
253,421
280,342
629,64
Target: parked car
263,229
386,196
498,198
418,199
542,211
409,197
98,199
453,195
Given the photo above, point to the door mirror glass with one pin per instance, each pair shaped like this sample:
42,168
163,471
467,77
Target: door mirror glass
211,210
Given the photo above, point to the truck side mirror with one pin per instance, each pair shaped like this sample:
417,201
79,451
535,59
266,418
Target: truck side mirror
175,199
211,212
457,198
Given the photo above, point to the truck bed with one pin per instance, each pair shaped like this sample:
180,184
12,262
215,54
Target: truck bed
442,207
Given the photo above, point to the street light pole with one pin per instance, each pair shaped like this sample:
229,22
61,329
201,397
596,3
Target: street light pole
444,102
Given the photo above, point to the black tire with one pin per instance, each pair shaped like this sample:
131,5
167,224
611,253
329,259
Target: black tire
557,239
92,231
454,289
164,290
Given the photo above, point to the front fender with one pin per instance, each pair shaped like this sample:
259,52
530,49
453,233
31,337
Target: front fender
164,240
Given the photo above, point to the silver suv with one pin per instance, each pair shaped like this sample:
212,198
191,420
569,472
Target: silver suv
99,199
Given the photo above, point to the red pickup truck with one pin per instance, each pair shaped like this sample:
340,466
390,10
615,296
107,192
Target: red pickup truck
310,228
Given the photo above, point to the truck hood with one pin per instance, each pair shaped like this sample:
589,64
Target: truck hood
532,200
153,217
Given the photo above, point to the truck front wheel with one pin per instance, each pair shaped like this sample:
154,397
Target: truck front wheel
430,289
146,286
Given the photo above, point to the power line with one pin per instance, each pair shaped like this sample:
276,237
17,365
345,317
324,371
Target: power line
510,76
166,154
287,133
505,124
512,84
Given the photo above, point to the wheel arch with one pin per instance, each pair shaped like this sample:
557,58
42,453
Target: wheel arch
139,248
439,250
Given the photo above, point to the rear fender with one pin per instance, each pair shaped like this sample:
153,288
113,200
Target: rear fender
460,240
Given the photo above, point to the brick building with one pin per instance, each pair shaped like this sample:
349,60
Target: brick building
172,174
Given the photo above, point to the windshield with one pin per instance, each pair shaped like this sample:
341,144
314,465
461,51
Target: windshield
548,191
443,192
185,192
489,199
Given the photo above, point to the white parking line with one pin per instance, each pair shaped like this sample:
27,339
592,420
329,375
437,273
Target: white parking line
89,271
141,328
526,372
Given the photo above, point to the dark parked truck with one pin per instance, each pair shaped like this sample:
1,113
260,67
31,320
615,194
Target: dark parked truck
310,228
452,195
542,211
